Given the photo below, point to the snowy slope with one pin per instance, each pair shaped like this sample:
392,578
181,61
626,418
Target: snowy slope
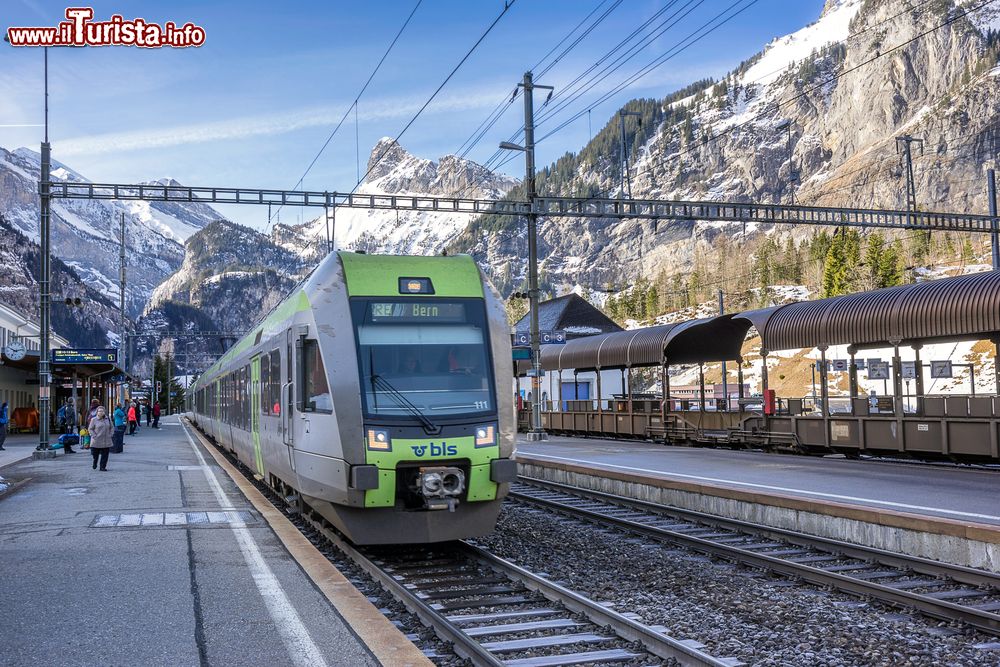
85,233
392,170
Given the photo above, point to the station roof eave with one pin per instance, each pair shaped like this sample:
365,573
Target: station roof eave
963,307
706,340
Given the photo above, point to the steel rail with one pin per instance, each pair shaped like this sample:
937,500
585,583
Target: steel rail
943,609
685,652
464,645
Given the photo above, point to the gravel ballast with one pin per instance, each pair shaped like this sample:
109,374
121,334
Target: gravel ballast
734,610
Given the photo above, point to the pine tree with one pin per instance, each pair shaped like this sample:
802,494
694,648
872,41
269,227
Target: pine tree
835,268
890,269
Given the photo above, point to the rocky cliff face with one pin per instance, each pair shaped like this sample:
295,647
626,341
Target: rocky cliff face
392,170
85,234
92,325
845,91
232,274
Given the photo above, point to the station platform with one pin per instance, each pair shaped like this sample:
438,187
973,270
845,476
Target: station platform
17,447
942,512
164,560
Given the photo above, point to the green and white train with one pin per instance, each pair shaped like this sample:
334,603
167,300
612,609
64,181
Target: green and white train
379,393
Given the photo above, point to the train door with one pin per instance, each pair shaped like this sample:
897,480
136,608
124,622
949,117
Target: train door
287,393
254,409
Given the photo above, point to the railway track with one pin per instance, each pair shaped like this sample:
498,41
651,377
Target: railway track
936,589
495,613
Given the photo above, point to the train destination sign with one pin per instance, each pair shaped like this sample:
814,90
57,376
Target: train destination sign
70,356
417,311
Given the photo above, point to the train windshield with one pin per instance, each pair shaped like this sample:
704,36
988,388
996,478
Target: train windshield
426,355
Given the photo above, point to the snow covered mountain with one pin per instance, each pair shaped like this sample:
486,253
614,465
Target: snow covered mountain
865,73
392,170
85,234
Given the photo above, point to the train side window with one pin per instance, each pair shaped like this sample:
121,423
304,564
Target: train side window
265,389
274,390
316,389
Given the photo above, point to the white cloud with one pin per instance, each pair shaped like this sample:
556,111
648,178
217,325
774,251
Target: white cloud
268,124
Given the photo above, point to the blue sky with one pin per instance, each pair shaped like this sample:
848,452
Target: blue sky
254,104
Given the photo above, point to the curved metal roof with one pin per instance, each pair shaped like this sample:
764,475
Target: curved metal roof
962,307
622,349
705,340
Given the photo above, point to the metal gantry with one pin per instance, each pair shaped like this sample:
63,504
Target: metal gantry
553,207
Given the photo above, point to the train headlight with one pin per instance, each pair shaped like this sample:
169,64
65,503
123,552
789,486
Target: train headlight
379,440
486,435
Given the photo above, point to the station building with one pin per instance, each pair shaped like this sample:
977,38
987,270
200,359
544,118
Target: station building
19,379
577,318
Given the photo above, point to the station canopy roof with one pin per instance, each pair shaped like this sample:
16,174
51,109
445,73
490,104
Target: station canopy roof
949,309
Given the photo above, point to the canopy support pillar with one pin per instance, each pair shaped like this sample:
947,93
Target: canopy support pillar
701,386
739,378
919,384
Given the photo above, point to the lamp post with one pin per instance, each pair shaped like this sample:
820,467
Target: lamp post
536,432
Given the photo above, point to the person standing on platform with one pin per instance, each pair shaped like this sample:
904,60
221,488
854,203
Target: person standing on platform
156,414
133,419
148,409
94,404
71,416
100,438
61,418
3,424
118,438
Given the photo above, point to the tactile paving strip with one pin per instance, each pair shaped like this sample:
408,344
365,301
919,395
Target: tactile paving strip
156,519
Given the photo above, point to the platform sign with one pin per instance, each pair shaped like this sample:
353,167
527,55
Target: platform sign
878,370
553,337
941,369
523,338
840,364
908,369
859,364
531,373
70,356
520,353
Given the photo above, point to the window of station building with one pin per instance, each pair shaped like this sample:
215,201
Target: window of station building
316,390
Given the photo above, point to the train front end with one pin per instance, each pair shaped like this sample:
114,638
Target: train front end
434,367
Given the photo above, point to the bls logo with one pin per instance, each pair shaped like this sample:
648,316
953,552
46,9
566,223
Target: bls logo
444,449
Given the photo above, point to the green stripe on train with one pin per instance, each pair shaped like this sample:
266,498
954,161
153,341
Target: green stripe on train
432,451
378,275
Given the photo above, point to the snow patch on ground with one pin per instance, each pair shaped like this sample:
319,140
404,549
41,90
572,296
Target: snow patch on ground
785,51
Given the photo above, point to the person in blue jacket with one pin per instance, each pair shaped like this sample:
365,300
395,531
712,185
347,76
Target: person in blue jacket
3,424
118,437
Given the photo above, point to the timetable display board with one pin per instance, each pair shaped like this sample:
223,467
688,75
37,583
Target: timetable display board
71,356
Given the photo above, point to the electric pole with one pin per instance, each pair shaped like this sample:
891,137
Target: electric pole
626,178
991,186
793,177
44,303
121,292
536,432
725,383
911,189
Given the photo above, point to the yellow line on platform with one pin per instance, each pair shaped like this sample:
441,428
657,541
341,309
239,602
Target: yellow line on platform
390,646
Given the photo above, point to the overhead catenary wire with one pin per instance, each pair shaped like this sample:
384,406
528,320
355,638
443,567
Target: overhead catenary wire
354,104
506,8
